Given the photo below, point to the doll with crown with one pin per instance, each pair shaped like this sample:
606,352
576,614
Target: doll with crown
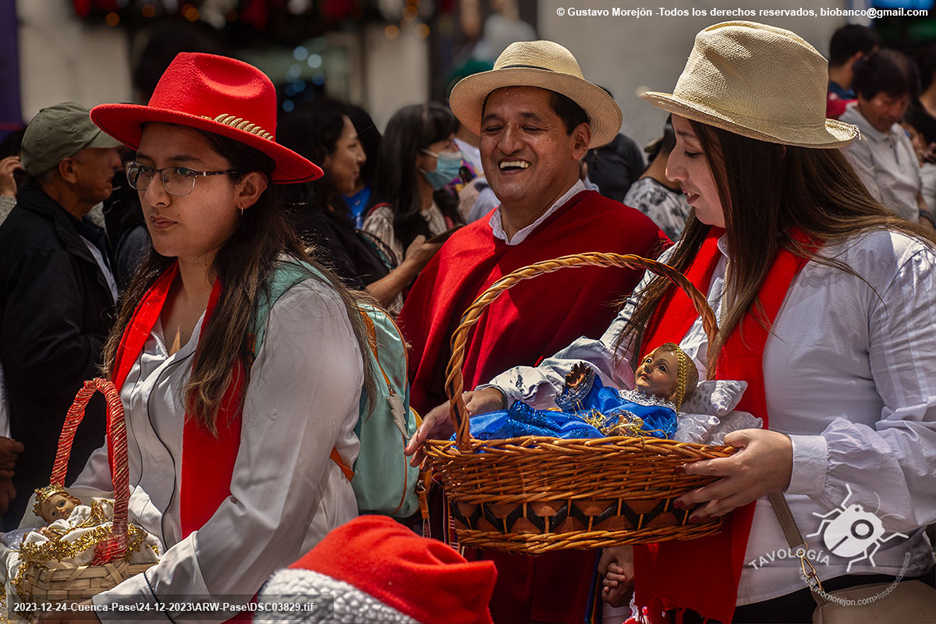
665,378
70,540
68,520
668,402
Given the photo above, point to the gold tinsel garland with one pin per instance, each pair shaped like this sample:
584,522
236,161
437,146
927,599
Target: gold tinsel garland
58,548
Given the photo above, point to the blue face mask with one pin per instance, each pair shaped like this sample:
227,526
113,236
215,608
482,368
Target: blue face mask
448,166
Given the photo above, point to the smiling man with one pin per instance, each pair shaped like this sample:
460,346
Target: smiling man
57,292
536,117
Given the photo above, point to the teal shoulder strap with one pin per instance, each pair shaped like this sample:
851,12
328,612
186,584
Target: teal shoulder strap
284,277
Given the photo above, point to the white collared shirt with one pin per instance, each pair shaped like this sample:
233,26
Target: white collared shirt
498,227
102,264
850,376
286,493
886,163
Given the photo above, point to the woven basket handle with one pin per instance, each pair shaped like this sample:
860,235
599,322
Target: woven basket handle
120,476
453,373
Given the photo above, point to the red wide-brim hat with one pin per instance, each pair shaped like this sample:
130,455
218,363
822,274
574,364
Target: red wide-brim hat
215,94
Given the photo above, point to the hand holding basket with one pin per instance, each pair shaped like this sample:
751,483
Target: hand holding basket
534,494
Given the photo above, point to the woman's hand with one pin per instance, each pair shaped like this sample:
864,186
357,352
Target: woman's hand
437,425
69,615
617,567
419,252
763,465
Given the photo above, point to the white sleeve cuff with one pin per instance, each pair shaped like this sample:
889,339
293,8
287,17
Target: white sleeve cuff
810,464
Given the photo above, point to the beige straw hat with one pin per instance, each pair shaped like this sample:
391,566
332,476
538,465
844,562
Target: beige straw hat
542,64
758,81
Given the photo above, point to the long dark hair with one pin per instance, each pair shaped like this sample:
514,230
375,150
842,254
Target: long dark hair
766,189
369,136
313,130
243,264
411,129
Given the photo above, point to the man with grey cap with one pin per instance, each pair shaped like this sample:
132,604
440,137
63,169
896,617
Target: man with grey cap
57,292
537,117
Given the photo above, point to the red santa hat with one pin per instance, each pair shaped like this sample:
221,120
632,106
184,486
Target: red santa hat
374,570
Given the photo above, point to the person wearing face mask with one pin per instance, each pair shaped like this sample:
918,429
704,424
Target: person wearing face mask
824,299
418,159
536,117
322,131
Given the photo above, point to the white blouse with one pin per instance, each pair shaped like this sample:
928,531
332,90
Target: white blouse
286,493
380,224
850,376
886,163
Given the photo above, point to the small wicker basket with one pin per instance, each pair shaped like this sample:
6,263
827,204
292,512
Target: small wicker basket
532,494
60,582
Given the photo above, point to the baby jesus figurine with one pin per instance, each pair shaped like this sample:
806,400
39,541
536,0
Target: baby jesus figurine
665,378
664,382
54,503
74,530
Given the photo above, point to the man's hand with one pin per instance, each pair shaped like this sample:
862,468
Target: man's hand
437,425
763,465
7,183
9,451
617,567
7,494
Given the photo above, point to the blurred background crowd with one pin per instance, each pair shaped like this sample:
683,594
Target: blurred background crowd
363,91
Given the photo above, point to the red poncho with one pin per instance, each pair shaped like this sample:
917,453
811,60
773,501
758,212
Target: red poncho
529,322
534,319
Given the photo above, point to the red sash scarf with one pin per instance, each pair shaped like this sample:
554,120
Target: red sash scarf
703,574
207,461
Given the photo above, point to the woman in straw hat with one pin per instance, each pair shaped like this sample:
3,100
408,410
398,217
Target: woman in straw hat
825,302
229,450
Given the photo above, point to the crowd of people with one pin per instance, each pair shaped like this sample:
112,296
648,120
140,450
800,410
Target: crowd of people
142,242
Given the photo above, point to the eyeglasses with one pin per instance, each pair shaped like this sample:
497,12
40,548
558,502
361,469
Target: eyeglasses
178,181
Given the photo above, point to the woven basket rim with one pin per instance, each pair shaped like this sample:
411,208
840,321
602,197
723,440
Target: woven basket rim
605,441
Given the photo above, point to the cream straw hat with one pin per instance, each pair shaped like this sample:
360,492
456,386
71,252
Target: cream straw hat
542,64
757,81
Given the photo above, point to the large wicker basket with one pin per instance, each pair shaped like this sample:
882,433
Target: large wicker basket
58,582
533,494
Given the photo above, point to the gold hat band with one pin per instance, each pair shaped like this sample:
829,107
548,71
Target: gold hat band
241,124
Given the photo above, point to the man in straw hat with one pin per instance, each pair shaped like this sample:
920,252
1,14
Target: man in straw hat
536,117
839,358
58,292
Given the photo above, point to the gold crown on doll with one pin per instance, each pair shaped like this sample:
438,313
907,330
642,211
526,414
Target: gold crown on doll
682,375
44,494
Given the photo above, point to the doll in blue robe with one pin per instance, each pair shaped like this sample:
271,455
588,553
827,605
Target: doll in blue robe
665,378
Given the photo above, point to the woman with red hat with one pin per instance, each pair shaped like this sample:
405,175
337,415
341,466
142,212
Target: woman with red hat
229,450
